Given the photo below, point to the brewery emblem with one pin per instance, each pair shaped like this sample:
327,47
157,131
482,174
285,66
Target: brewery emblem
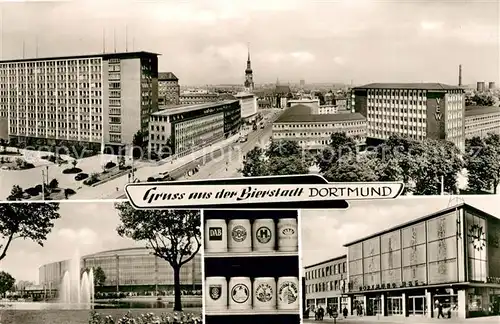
288,292
215,292
288,231
215,233
239,233
264,293
263,234
240,293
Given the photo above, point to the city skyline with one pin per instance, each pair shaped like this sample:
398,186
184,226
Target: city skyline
206,43
345,226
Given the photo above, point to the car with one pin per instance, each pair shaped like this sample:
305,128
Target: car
243,139
81,176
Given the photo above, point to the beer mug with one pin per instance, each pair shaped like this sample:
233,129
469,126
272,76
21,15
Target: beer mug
240,293
264,293
288,235
216,293
240,239
288,293
263,235
215,235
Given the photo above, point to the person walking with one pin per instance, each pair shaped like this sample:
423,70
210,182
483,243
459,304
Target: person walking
440,311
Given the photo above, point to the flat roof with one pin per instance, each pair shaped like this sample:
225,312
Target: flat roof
244,95
177,109
84,56
167,76
420,219
471,111
409,86
326,261
302,113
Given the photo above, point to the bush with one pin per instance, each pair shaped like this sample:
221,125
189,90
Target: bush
69,191
72,170
53,184
110,165
26,166
33,191
148,318
94,178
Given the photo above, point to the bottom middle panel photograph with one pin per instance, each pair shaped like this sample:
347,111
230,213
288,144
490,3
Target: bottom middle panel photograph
251,267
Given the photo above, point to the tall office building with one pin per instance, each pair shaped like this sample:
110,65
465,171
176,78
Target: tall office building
169,90
94,100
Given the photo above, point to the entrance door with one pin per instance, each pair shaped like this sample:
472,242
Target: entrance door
394,306
374,306
416,305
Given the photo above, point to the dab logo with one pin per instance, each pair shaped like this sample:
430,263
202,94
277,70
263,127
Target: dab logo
263,234
215,291
215,234
239,233
288,231
264,293
240,293
288,292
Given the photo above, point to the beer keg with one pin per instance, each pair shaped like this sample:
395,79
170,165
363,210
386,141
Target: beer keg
216,293
240,238
263,235
287,235
215,235
264,293
240,293
288,293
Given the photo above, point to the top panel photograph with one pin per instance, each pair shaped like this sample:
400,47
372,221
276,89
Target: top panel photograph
94,96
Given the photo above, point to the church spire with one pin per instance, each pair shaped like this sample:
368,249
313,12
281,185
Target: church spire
249,85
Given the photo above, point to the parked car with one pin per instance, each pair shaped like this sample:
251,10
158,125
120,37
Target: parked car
81,176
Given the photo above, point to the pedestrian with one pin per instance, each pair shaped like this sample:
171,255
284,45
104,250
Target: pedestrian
440,311
345,312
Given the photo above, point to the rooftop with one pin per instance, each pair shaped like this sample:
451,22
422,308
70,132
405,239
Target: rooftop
409,86
326,261
480,110
167,76
85,56
421,219
302,113
177,109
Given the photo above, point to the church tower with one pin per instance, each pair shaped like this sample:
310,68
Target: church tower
249,86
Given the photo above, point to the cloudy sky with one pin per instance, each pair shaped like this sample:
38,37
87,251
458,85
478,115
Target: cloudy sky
205,42
324,232
83,228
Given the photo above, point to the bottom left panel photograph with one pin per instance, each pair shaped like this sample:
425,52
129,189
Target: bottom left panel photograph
99,262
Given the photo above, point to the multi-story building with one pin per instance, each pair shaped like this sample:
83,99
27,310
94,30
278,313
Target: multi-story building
312,131
451,257
248,104
197,97
327,110
481,121
91,100
312,103
326,284
169,90
414,110
133,269
181,130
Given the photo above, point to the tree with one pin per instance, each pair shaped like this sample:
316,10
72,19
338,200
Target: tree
99,277
54,183
74,162
28,221
482,99
482,161
254,163
173,235
6,282
340,145
16,193
138,144
345,170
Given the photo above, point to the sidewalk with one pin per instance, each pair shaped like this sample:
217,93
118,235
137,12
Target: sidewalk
401,319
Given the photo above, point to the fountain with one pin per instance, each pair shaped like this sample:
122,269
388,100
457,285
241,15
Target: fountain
77,290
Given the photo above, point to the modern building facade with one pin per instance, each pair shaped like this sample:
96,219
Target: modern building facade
450,257
414,110
197,97
181,130
481,121
91,100
169,90
134,269
248,104
326,284
312,103
312,131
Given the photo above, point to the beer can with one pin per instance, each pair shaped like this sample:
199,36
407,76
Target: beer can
288,235
216,293
288,293
264,293
263,235
240,238
240,293
215,235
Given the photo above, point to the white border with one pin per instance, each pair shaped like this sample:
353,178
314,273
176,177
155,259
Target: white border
299,252
203,279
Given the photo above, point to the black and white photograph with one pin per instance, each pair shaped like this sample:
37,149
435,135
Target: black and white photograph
98,94
251,263
99,263
410,259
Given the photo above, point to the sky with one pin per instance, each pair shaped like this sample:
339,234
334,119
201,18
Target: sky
83,228
324,232
205,42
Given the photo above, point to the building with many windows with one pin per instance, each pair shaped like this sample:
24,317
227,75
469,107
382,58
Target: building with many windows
313,131
181,130
326,283
197,97
248,103
451,257
169,90
414,110
91,100
481,121
133,269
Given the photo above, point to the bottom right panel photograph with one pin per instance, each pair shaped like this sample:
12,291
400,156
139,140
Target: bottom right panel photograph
428,257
